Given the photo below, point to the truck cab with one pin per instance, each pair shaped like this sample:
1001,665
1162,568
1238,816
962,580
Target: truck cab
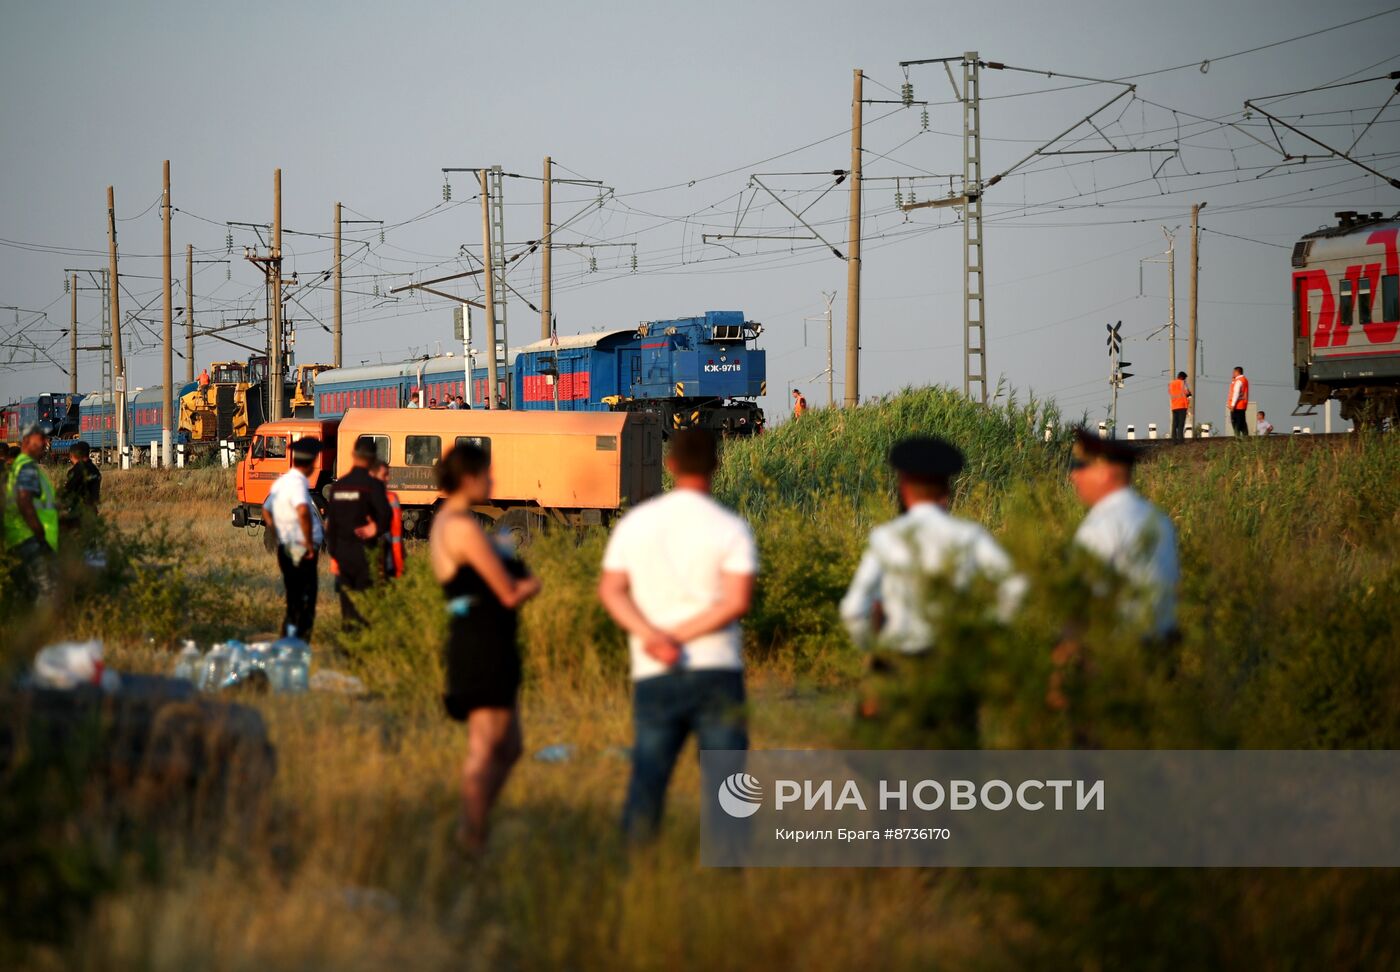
269,456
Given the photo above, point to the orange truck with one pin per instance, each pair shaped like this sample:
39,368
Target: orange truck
574,468
269,456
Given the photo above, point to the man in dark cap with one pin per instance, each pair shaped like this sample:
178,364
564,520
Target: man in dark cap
886,605
357,513
82,489
290,511
1124,529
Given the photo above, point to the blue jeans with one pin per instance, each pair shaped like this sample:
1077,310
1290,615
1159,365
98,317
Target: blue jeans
665,710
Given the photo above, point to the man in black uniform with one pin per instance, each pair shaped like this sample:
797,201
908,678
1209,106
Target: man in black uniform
358,512
82,490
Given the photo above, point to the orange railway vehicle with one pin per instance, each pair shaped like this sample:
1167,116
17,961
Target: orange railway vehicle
572,467
269,456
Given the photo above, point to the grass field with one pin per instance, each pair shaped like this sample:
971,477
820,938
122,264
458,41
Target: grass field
1290,612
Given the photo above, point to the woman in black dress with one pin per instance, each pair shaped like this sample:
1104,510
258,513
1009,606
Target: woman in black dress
484,586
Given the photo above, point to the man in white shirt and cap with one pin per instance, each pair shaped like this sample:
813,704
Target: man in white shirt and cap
887,606
1131,537
1125,531
290,509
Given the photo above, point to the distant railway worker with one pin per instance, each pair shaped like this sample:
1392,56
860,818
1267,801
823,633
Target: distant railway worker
678,575
799,404
1239,402
204,378
1262,426
484,587
82,489
291,509
1180,396
357,512
886,606
393,551
31,514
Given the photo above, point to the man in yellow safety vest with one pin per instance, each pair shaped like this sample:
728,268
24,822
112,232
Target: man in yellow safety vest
31,514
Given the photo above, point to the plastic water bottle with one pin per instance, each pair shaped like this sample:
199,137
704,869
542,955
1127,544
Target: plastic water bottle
236,665
187,664
299,667
213,669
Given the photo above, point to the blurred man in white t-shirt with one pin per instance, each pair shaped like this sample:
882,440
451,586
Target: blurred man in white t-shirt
677,576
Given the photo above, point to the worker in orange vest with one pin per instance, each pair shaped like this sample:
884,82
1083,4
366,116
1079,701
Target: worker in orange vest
1180,397
204,378
799,404
393,540
1239,402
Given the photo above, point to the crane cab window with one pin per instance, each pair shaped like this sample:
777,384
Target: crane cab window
381,445
270,447
482,442
421,450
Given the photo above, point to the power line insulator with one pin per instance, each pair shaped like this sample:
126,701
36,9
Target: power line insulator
898,198
447,192
228,272
381,234
66,284
906,93
923,119
634,261
376,288
228,240
592,264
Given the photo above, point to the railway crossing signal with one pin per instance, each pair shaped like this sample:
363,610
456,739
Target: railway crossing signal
1116,364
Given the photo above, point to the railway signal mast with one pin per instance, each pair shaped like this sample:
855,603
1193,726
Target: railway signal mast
1116,375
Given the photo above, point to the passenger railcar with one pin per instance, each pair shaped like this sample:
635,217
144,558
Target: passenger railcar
1346,317
97,420
393,385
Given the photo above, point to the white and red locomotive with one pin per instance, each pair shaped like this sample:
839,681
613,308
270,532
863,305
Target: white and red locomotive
1346,317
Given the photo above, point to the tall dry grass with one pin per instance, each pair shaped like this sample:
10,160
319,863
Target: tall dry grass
1289,611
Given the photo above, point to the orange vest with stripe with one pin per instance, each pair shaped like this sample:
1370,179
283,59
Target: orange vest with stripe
1177,391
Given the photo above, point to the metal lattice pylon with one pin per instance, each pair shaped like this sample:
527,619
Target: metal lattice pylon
974,303
496,183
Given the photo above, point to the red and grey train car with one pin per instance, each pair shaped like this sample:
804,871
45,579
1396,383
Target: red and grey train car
1346,317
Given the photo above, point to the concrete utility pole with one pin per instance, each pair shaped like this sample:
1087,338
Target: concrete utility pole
1171,299
1193,337
546,256
853,254
113,290
73,342
274,371
335,345
189,312
167,331
489,285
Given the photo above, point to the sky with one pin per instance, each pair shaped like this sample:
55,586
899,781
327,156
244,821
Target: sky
674,107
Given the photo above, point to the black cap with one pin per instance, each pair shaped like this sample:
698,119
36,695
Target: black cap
1089,447
926,456
306,449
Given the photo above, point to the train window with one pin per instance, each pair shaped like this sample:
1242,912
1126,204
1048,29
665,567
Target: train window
270,447
421,450
381,445
1390,297
1363,301
1344,305
482,442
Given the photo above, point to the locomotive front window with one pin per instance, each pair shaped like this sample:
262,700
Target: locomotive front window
421,450
1390,297
1344,305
